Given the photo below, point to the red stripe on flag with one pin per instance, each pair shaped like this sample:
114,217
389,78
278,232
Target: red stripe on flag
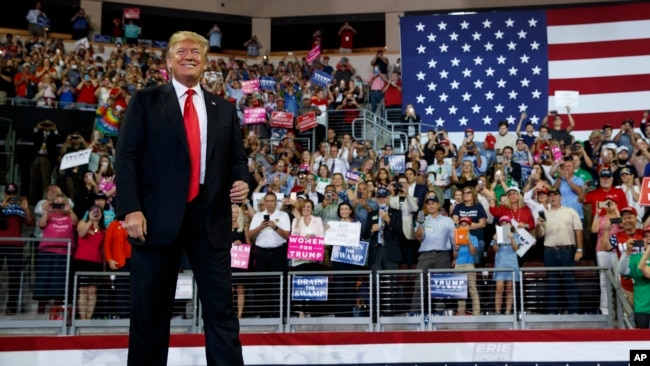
592,121
597,14
577,51
601,85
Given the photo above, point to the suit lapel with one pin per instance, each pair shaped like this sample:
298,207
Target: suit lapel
213,121
170,103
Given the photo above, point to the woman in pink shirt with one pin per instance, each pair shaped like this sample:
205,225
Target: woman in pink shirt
58,222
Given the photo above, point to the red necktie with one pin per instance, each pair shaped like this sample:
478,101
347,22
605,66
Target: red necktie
191,119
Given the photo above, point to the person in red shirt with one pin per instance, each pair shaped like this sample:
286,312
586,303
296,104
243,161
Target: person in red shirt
514,207
393,92
21,81
618,241
605,188
347,34
117,253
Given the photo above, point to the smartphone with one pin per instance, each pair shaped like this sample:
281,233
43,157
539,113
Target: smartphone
293,196
57,206
615,220
479,186
103,140
328,196
420,216
267,217
385,160
602,205
638,244
542,215
359,195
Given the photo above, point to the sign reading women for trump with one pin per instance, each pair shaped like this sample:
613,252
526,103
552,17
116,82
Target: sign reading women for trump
239,255
254,115
351,255
250,86
343,233
309,288
449,285
304,248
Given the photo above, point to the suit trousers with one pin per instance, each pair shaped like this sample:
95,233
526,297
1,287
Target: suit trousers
154,271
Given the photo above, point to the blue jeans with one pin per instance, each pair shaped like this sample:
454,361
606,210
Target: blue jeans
561,257
376,96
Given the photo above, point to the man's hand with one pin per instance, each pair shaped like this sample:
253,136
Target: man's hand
136,225
239,191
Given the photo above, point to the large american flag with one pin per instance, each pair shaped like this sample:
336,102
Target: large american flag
473,70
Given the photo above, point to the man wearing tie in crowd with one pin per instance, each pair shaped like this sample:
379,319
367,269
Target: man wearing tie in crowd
182,208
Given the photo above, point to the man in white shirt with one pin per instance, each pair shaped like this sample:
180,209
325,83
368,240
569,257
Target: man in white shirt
334,163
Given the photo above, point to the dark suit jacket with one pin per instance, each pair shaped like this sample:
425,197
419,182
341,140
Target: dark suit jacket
50,144
153,164
420,192
391,232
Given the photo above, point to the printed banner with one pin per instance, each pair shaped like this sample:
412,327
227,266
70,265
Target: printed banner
240,255
311,249
184,287
73,159
321,78
254,115
309,288
307,121
250,86
267,83
313,54
282,119
131,13
351,255
343,233
448,285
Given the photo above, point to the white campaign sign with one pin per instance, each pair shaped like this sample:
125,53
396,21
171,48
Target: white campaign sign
564,98
343,233
74,159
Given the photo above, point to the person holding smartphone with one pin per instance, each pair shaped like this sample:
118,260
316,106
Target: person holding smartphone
619,241
634,265
606,223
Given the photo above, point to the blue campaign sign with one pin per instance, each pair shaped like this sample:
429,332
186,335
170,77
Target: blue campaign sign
309,288
267,83
351,255
321,78
397,163
448,285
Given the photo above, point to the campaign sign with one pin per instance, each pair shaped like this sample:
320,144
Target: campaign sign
160,44
254,115
239,255
448,285
282,119
74,159
397,163
644,193
267,83
525,173
131,13
313,54
102,38
351,255
321,78
310,249
352,175
250,86
557,152
309,288
343,233
307,121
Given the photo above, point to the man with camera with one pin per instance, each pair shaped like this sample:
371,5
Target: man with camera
270,229
15,213
327,210
605,188
634,265
629,235
44,139
401,200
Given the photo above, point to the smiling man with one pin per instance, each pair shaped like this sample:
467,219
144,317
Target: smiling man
181,164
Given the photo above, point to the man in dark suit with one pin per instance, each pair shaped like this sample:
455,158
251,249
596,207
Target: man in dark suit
45,139
181,163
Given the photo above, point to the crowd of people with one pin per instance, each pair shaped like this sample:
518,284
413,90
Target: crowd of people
578,199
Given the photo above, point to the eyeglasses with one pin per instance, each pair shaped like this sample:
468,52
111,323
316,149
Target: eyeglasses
467,192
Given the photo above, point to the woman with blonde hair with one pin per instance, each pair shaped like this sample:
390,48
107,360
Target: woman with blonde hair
514,207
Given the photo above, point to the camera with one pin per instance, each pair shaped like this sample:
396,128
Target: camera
398,186
57,206
638,244
575,148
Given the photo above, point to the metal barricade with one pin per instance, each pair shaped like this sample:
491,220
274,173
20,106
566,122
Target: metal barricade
399,299
262,300
346,304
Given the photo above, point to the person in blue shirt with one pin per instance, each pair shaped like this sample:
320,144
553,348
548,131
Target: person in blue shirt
464,259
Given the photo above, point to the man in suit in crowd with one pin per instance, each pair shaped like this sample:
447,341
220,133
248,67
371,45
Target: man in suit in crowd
181,164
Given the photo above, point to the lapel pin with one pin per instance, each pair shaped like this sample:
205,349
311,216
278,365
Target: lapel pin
213,103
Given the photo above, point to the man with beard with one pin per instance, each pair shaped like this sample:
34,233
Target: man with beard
623,161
